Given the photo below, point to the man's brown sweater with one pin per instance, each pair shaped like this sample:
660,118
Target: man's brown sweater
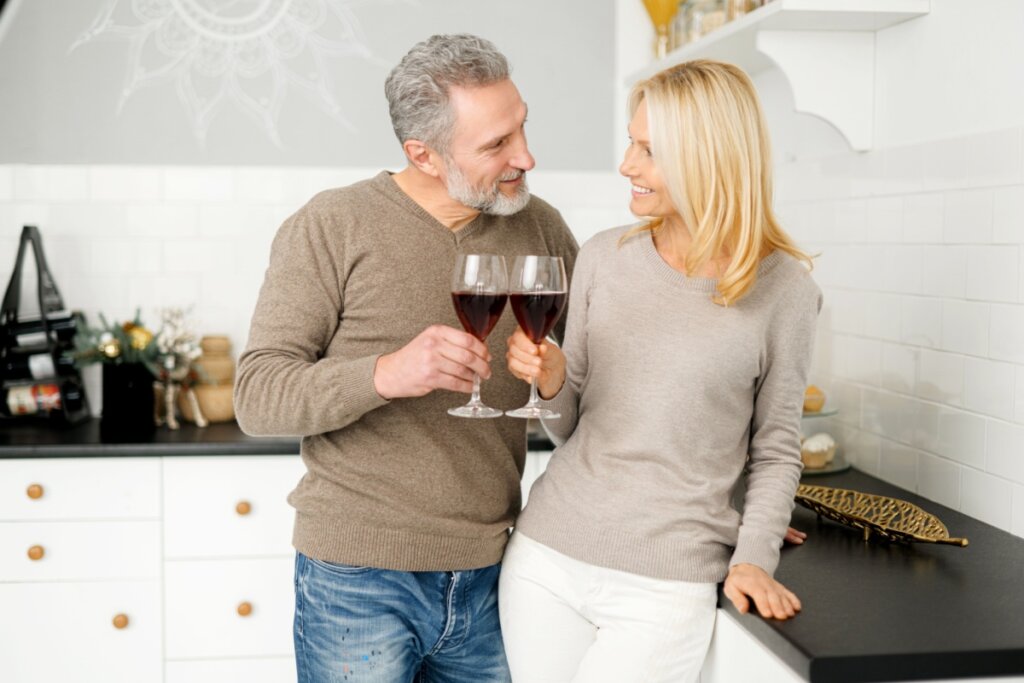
357,273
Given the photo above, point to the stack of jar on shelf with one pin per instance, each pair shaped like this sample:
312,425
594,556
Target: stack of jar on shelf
697,18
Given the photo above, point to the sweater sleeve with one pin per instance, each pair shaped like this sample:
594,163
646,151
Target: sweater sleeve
774,466
284,386
566,401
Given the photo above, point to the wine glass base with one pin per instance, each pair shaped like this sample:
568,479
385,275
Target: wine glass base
475,411
532,412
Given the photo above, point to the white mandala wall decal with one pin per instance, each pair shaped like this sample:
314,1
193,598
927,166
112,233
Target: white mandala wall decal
242,53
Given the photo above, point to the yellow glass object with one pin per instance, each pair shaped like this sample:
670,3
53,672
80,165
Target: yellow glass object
661,12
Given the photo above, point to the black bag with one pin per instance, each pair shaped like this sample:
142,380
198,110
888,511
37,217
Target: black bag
38,374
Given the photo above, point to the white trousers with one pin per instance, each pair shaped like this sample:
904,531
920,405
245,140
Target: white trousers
567,621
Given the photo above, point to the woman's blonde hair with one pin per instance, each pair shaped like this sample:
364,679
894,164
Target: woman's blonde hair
710,142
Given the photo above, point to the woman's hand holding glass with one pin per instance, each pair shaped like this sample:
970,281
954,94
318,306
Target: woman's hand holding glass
543,363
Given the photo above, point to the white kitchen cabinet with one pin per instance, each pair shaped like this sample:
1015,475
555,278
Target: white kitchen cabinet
79,489
79,551
229,608
190,556
229,506
255,670
66,632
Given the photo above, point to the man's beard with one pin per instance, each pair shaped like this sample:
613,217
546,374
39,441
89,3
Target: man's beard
487,200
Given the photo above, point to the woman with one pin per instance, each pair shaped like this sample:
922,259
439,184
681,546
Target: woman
687,350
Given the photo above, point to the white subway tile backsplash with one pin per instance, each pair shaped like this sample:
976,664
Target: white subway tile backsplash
884,220
945,164
994,158
921,321
987,498
993,273
865,452
899,465
968,217
31,183
851,221
902,268
961,437
1007,333
904,168
1017,521
882,316
15,215
258,185
941,377
67,184
1018,404
1008,215
944,271
198,184
121,256
97,220
6,184
161,291
923,218
161,220
857,359
1004,455
899,368
989,387
965,327
938,479
125,183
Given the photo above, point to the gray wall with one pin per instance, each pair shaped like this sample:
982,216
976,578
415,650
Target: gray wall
61,105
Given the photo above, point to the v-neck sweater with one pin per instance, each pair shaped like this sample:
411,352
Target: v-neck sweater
668,398
356,273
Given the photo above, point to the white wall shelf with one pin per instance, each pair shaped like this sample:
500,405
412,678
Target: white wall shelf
825,48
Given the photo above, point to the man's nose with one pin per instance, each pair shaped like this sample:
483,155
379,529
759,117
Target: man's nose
522,159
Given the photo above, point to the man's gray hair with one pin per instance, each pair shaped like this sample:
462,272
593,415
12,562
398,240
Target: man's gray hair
417,89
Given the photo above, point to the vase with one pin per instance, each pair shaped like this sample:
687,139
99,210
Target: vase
127,403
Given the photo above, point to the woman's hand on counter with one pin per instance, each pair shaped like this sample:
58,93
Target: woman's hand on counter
544,362
794,536
747,582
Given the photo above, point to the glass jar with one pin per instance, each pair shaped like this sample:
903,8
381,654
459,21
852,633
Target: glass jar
703,17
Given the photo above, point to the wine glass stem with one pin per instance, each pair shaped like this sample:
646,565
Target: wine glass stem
534,398
475,398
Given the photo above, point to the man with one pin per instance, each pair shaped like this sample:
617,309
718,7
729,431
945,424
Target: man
403,514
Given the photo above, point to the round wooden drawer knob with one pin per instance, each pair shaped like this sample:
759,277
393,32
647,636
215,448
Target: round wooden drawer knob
120,621
35,491
244,609
243,508
36,552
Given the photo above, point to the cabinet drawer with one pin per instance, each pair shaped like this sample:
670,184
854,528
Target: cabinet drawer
79,488
65,632
263,670
203,600
229,506
78,551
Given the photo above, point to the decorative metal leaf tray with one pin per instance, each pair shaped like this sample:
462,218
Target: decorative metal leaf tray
890,518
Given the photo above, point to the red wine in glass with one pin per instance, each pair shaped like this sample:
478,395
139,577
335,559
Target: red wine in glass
479,292
478,313
537,291
538,312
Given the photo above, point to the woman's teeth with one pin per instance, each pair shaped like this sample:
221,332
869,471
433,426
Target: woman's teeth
642,190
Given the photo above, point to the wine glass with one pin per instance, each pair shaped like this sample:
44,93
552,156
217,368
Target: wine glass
479,293
538,293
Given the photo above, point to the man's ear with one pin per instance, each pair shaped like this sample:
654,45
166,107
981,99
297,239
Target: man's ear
422,157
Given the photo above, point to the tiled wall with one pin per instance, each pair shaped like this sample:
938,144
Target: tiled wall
921,341
118,238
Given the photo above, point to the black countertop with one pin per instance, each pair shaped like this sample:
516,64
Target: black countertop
877,611
38,440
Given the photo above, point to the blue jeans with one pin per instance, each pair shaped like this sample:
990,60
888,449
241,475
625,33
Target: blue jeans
359,624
